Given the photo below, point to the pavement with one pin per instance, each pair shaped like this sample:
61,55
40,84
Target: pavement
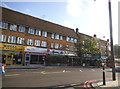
110,84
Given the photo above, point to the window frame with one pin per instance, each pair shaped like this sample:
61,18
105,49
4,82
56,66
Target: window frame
21,28
20,40
11,39
13,27
44,44
31,31
30,42
36,42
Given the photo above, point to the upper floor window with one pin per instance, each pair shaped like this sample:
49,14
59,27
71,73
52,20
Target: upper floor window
53,35
38,32
21,29
61,46
13,27
56,45
20,40
44,44
2,38
31,31
67,38
44,33
12,39
3,25
67,47
61,37
37,42
30,42
57,36
72,40
75,40
52,45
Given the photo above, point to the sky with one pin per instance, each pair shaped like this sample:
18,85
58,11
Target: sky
90,16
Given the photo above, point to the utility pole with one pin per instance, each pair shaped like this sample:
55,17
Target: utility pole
111,41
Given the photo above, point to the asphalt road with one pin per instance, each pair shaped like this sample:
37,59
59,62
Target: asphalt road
51,77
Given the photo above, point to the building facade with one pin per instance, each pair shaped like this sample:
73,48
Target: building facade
29,40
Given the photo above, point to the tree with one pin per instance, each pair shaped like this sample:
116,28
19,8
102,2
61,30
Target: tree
86,45
117,51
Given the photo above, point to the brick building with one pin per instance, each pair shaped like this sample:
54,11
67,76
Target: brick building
29,40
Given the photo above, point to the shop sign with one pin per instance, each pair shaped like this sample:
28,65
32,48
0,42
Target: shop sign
11,47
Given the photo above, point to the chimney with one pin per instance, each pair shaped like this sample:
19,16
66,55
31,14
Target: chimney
77,30
94,35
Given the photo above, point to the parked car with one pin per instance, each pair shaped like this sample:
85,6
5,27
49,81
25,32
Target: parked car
117,68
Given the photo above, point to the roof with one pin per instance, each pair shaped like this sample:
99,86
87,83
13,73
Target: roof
27,20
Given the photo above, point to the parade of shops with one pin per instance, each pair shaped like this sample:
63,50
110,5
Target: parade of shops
27,40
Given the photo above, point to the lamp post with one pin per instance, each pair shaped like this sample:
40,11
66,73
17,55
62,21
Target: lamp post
111,41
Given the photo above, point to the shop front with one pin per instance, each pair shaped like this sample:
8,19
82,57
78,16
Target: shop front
12,55
35,56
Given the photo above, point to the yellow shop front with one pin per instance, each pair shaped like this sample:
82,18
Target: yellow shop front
12,55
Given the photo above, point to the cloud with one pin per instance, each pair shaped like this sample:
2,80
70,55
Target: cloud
74,7
67,24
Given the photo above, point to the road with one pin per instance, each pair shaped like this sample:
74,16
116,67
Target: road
51,76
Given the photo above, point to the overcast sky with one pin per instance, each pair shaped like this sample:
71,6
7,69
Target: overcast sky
91,17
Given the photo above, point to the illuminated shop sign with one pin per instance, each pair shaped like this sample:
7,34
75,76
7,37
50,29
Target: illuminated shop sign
11,47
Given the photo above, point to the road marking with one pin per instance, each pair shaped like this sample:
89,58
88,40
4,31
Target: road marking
93,70
60,86
81,71
12,75
44,72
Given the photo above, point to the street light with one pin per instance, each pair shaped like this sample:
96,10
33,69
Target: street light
111,40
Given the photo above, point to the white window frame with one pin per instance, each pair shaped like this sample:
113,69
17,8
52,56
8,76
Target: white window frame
38,32
44,33
20,40
53,35
61,46
12,39
3,25
21,29
37,42
13,27
67,38
75,40
56,45
44,44
61,37
31,31
2,38
52,45
57,36
30,42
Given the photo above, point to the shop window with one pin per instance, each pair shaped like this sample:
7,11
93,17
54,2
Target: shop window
30,42
37,42
31,31
2,38
13,27
3,25
12,39
38,32
57,36
52,45
53,35
21,29
44,44
44,33
56,45
20,40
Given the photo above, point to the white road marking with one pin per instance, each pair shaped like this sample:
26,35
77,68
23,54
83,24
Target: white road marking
93,70
12,74
81,71
60,86
63,70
